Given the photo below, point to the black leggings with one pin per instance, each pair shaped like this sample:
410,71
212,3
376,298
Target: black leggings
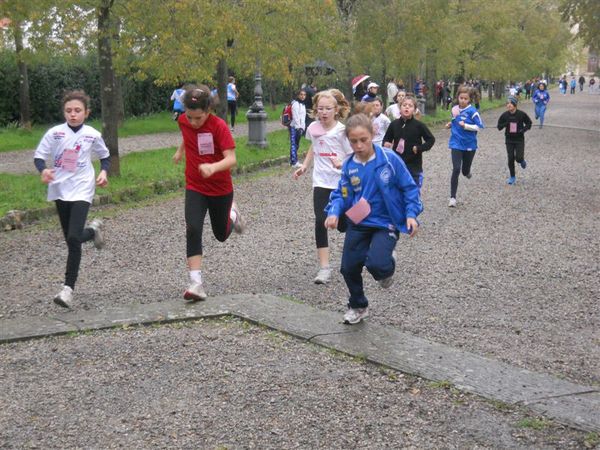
196,205
320,201
72,217
515,152
232,105
460,158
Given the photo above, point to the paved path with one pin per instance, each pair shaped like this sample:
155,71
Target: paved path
22,161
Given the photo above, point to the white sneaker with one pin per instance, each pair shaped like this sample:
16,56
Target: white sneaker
195,292
97,225
323,275
387,282
65,297
297,165
239,226
355,315
452,203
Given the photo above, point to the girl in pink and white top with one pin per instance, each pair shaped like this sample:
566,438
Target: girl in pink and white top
329,147
71,181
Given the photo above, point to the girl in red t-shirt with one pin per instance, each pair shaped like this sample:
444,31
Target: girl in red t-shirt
209,155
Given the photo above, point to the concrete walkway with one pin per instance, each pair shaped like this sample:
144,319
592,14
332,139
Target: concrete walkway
567,403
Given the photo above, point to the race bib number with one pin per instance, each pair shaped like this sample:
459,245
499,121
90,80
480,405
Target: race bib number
400,148
205,144
69,160
512,127
359,211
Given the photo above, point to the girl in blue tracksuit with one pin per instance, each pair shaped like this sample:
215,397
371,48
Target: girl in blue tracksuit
378,195
464,126
540,99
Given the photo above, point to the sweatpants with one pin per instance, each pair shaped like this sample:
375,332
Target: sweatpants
460,159
371,248
196,206
72,216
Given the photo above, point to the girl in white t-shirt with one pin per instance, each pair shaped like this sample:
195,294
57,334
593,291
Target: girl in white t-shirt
71,181
329,147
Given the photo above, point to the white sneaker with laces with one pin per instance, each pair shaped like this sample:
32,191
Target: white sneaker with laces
387,282
355,315
97,225
452,203
195,292
65,297
323,275
239,226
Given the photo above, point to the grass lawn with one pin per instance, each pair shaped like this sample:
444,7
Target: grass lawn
12,138
140,173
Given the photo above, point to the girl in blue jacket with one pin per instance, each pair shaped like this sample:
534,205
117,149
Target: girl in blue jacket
378,195
540,99
464,126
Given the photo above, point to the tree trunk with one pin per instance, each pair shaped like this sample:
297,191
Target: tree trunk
430,72
222,89
108,92
24,100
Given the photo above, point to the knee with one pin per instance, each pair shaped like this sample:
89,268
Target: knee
73,240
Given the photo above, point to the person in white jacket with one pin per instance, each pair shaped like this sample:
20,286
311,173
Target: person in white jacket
297,126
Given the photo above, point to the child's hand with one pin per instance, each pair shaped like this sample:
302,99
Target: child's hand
47,176
331,222
412,226
387,144
462,123
415,149
300,171
102,179
336,163
206,170
449,124
177,157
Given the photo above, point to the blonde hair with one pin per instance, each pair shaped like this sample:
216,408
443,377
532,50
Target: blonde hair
359,120
342,105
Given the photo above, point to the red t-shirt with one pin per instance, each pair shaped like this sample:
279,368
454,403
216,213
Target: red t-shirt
206,145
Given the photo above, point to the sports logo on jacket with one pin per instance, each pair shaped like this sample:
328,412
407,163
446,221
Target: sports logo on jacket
385,175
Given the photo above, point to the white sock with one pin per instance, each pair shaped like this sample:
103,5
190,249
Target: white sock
232,215
196,276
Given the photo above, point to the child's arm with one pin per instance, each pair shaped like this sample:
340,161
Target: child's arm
502,121
307,160
526,122
338,202
428,140
179,153
209,169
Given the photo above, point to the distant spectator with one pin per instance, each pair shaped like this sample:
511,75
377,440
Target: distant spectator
372,90
232,98
573,85
392,90
176,98
592,84
581,82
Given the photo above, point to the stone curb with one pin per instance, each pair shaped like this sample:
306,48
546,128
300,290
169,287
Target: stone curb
568,403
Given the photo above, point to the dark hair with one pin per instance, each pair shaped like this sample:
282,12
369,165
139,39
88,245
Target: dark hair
298,92
198,97
76,95
359,120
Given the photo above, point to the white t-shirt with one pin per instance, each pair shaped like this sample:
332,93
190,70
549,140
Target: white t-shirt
393,111
380,126
70,155
332,144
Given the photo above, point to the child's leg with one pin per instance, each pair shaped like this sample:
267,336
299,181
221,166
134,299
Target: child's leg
379,261
519,152
72,217
542,113
457,159
219,210
356,246
294,140
320,200
510,151
467,160
196,206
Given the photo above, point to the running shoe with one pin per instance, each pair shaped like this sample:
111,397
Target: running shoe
323,275
523,164
355,315
511,180
452,203
469,175
239,226
97,225
195,292
65,297
387,282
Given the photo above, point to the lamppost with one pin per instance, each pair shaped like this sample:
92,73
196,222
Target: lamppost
257,117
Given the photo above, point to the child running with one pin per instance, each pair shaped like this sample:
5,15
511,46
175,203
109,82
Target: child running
410,138
379,197
297,126
540,98
516,123
463,139
209,155
381,122
71,181
328,149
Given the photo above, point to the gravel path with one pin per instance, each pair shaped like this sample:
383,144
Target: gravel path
22,161
511,273
226,384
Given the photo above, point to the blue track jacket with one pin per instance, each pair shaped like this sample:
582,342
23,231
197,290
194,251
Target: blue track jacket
396,192
462,139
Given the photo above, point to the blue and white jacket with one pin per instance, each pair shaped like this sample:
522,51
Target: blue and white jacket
385,183
541,97
465,139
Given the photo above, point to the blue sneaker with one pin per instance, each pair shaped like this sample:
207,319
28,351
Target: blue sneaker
523,164
511,180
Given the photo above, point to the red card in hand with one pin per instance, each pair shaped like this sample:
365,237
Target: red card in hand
359,211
